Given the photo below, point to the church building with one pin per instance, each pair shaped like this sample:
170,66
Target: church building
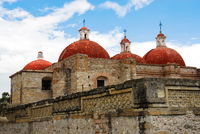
84,65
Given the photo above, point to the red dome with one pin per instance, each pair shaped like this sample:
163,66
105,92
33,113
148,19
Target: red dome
125,40
84,28
160,35
124,55
91,48
163,55
38,64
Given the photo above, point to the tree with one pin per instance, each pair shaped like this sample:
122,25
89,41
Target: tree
5,98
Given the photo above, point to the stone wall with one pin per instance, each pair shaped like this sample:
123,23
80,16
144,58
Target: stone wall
168,71
169,124
85,71
69,126
79,73
141,106
26,87
179,124
16,86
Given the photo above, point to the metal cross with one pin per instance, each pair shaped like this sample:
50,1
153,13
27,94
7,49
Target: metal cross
125,32
83,22
160,27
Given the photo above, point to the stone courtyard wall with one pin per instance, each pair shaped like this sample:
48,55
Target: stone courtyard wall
179,124
71,126
169,124
141,106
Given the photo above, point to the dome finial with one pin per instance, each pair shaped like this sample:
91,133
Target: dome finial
40,55
125,33
83,22
160,25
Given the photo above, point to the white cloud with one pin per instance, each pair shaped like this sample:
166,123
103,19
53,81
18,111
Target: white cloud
110,41
9,1
22,35
140,3
122,10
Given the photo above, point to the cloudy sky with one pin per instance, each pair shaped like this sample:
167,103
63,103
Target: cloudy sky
29,26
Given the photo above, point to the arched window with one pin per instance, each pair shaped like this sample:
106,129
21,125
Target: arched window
126,48
101,81
46,83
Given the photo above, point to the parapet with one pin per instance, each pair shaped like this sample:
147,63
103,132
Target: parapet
156,96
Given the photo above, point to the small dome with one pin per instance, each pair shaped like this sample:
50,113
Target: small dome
84,46
160,35
84,28
124,55
38,64
124,40
163,55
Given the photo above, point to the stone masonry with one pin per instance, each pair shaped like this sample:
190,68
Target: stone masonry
80,73
139,106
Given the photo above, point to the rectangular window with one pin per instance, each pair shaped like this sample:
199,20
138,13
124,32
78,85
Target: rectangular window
46,84
100,83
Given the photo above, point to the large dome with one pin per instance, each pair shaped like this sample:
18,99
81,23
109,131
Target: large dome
163,55
38,64
124,55
84,46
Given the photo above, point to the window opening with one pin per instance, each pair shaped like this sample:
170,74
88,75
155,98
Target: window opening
100,83
46,84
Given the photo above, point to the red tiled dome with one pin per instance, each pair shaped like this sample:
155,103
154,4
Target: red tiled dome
124,55
91,48
84,28
125,40
38,64
163,55
160,35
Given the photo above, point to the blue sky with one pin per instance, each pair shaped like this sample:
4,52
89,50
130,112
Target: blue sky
180,18
29,26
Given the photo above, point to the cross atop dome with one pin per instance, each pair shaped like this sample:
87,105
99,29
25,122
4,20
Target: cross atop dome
84,32
160,39
160,27
83,22
125,33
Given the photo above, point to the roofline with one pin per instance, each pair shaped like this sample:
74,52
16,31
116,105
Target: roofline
31,71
